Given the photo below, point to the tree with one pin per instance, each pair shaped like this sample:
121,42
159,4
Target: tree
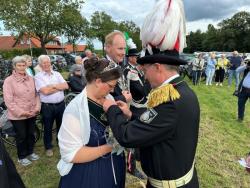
194,41
211,40
133,31
74,25
236,31
101,25
37,18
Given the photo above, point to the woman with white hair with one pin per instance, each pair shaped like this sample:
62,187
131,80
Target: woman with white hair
23,105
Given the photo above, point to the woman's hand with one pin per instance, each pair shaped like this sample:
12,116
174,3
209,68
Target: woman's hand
124,108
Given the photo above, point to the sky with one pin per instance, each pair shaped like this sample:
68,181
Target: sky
199,13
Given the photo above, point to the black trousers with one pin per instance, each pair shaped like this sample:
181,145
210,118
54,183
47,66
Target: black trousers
219,75
50,113
9,178
25,137
243,96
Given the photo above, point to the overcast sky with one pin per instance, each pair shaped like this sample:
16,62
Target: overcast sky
199,13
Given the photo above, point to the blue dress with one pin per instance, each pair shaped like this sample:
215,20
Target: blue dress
107,171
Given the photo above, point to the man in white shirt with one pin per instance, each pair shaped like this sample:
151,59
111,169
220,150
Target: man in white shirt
50,85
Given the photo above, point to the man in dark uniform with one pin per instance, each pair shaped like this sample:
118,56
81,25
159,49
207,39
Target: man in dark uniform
9,178
167,132
136,83
139,89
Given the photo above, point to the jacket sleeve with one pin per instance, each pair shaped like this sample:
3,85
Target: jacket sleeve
152,127
8,95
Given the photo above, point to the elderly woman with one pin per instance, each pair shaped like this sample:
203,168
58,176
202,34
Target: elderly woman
23,105
86,158
76,81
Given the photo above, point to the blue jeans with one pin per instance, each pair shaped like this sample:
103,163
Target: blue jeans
196,76
210,75
242,99
231,74
50,113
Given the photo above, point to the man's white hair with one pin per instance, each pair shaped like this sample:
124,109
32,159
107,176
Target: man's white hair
41,58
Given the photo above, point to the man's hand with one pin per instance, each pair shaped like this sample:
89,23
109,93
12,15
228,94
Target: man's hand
107,103
124,108
127,96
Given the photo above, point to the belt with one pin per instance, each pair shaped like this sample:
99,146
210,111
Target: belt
173,183
53,104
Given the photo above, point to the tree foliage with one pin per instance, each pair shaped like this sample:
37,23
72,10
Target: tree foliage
40,19
133,31
101,25
231,34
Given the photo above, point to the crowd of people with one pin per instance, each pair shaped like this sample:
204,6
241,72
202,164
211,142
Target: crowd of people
144,106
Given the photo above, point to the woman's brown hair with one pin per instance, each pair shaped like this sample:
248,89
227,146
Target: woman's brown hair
100,68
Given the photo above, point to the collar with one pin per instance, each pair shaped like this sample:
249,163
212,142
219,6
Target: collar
170,80
51,72
109,58
19,77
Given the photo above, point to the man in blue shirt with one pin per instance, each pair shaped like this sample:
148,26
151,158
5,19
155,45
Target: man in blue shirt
235,62
244,89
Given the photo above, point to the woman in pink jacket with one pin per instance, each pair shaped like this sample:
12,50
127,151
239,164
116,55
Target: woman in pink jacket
23,105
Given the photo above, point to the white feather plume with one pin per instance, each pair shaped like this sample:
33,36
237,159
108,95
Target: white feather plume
165,21
131,44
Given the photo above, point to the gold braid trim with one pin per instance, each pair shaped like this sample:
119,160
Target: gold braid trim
161,95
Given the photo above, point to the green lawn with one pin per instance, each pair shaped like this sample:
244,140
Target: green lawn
222,140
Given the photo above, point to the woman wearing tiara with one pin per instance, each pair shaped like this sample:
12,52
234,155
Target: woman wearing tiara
86,158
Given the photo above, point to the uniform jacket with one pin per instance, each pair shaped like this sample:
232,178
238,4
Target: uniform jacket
9,178
137,85
167,135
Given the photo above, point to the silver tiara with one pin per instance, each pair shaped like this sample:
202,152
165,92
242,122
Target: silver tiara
111,66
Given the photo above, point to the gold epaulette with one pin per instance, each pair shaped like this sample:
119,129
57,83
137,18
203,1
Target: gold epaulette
161,95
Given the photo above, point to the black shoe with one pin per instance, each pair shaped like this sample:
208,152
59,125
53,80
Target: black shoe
138,174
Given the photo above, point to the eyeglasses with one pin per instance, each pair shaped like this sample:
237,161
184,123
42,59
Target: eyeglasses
110,86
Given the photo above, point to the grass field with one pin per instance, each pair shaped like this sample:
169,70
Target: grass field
222,141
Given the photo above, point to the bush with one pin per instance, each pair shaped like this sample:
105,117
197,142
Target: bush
10,54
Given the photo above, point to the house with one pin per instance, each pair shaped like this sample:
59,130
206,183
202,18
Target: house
52,47
78,48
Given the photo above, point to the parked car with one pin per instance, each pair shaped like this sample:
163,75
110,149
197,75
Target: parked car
70,58
58,60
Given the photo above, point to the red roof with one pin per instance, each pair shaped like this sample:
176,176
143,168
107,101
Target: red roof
10,42
7,42
78,48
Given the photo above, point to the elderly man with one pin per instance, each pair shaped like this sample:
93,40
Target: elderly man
88,54
50,86
235,62
167,132
115,46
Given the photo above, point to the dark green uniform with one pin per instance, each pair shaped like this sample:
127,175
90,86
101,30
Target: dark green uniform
167,135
